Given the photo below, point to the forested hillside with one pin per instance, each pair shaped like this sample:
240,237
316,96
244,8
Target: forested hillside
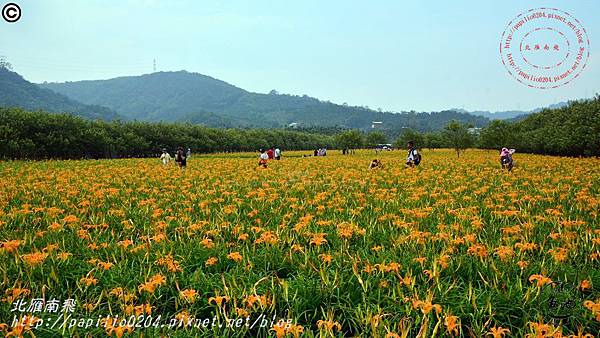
197,98
18,92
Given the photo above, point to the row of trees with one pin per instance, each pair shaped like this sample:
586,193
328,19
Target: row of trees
39,135
455,135
573,130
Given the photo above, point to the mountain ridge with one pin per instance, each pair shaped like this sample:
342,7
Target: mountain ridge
15,91
197,98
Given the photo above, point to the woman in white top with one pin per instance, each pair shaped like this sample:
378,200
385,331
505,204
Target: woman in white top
277,153
263,159
165,157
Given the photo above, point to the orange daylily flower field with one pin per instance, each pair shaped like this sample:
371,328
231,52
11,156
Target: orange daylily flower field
451,248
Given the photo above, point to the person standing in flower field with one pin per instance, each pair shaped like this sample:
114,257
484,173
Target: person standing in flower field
181,158
414,158
506,159
165,157
277,154
263,158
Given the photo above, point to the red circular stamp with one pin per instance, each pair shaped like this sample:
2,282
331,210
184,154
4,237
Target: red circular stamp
545,48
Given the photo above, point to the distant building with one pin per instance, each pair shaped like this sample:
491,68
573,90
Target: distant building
376,125
474,131
293,125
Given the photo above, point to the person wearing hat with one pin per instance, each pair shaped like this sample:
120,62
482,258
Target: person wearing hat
165,157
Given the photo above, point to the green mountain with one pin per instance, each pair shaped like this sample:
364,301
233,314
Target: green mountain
18,92
197,98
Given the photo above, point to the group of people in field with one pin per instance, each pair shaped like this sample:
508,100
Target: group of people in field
413,158
180,157
269,154
320,152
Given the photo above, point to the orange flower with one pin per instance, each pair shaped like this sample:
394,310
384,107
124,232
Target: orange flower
540,280
24,325
125,243
585,285
329,325
211,261
235,256
148,287
426,306
504,252
594,307
34,258
189,295
88,281
267,237
171,264
11,246
318,239
559,254
260,300
522,264
498,332
325,258
296,330
526,246
152,284
420,260
105,265
71,219
279,329
478,250
158,279
15,293
207,243
119,330
543,330
452,324
218,300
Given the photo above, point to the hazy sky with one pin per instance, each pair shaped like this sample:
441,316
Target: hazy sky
418,55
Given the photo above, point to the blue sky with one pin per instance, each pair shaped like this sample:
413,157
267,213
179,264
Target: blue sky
394,55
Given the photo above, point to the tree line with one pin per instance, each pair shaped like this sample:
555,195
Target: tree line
573,130
40,135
